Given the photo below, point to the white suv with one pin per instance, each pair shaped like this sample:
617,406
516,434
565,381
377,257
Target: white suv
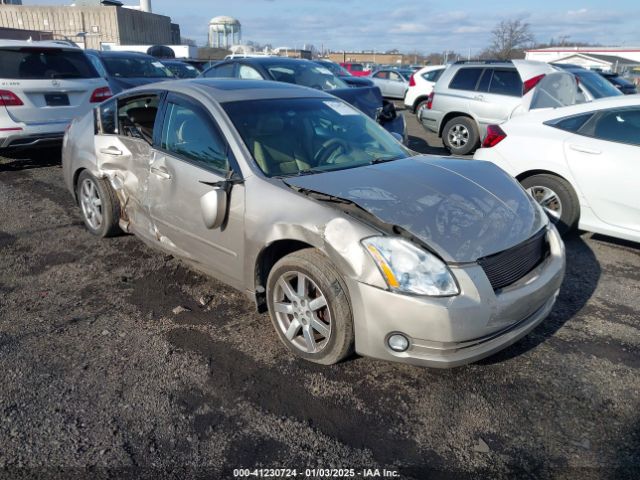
420,87
43,86
468,96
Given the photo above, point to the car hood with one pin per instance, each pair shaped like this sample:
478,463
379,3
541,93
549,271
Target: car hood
462,210
366,99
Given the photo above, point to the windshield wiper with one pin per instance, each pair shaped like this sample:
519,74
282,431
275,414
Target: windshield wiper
383,160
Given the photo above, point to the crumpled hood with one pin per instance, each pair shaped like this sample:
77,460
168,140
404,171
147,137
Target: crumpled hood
462,209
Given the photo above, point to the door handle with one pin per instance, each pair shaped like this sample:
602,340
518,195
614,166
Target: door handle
580,148
115,151
161,172
480,98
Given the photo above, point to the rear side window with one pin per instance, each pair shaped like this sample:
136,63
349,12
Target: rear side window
44,63
222,71
466,79
433,75
506,82
571,124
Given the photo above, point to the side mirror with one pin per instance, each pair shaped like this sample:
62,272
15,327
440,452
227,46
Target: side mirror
213,206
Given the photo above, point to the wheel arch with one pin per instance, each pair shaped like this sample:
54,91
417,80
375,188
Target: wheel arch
452,115
530,173
265,261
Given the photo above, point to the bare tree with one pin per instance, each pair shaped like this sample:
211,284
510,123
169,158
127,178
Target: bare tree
509,38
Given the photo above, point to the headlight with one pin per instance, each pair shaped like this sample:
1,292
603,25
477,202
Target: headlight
409,269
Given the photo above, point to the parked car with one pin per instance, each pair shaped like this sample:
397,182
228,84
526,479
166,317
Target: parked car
393,83
344,75
124,70
420,87
43,85
181,69
622,84
345,236
591,84
356,69
579,162
471,95
309,74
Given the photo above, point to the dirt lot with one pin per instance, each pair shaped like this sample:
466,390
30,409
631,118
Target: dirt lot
101,379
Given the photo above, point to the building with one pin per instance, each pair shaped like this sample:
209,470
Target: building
604,63
553,54
21,34
224,32
90,26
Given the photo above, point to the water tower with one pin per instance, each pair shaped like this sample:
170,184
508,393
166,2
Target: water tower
224,32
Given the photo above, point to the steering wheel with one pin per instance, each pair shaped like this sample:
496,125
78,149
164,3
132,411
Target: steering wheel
328,148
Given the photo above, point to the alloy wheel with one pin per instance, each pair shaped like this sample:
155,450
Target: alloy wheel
91,203
548,200
301,311
458,136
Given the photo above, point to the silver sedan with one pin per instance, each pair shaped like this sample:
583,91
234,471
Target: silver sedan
350,241
393,83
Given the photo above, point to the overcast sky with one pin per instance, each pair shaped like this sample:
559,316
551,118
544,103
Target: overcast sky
408,25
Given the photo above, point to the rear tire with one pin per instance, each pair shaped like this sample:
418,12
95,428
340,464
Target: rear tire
460,135
557,197
420,106
99,205
314,322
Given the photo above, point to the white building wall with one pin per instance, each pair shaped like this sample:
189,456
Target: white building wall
553,55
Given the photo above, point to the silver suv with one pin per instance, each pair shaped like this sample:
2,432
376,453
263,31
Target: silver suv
471,95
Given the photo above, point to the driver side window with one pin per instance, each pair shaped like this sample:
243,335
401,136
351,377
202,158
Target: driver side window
189,133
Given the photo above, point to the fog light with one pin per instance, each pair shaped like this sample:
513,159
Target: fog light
398,342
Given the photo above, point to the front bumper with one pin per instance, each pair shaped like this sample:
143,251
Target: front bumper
453,331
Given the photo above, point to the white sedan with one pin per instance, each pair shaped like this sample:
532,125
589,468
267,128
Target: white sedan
579,162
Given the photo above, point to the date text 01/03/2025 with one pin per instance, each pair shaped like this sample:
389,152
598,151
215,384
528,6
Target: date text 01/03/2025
315,473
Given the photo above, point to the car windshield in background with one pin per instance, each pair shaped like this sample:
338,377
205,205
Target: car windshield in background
405,73
311,135
599,86
136,67
182,70
335,69
356,67
306,74
41,63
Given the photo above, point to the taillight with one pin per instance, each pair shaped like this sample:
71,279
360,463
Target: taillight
430,100
494,136
9,99
412,80
532,82
100,94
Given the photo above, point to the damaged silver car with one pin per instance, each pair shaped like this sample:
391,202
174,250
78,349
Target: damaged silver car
349,240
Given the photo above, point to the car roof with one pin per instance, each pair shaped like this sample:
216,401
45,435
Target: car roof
119,53
223,90
269,60
43,44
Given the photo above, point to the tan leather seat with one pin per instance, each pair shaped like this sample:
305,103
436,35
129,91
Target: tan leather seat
277,149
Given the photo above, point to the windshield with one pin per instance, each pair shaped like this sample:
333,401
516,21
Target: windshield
182,70
335,69
307,74
40,63
597,85
290,137
135,67
356,67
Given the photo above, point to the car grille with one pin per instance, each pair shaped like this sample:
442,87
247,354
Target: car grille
504,268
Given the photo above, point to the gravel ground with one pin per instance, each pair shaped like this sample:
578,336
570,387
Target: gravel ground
101,379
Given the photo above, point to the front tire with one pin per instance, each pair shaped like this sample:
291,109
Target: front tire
460,135
558,199
310,308
99,205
